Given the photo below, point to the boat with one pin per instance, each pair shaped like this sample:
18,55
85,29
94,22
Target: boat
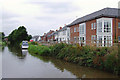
25,45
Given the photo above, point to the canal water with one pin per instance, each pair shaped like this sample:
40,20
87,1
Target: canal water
17,63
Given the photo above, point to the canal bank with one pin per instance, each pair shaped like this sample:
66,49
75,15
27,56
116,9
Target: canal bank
19,63
104,58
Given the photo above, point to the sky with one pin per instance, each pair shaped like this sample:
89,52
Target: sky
40,16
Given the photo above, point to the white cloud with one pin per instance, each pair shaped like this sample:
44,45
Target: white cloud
40,16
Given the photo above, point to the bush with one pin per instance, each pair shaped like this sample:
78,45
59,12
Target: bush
104,58
34,43
55,49
110,62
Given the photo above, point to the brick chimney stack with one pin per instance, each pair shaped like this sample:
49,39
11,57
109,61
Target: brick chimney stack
44,33
60,28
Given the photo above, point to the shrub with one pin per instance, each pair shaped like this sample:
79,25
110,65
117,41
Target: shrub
105,58
34,43
57,48
110,62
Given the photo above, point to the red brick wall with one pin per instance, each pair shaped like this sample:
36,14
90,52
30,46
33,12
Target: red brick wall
115,23
118,28
89,31
74,34
48,38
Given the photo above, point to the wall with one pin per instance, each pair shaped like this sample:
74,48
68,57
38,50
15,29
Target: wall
74,34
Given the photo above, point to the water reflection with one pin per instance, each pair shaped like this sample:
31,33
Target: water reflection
1,48
17,51
78,71
42,66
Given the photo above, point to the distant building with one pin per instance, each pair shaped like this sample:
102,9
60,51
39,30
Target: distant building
36,38
64,35
46,37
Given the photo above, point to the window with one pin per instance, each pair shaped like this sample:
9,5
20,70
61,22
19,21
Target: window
100,40
119,38
107,26
118,25
81,39
74,29
60,39
92,26
64,32
107,41
71,30
74,39
68,32
93,38
81,29
100,26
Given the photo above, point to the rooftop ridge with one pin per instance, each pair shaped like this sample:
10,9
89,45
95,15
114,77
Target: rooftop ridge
110,12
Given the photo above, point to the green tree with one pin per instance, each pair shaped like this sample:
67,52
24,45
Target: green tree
18,35
2,35
29,37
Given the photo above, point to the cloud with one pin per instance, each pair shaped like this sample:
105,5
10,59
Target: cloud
57,7
8,15
39,16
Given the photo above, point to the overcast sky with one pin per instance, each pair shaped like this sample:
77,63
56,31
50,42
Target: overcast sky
39,16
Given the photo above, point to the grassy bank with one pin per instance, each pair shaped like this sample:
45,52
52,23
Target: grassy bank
104,58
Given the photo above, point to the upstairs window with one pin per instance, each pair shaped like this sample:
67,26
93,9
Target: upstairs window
107,26
99,26
92,26
75,29
82,29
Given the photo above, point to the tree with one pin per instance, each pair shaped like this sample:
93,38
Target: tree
2,35
29,37
18,35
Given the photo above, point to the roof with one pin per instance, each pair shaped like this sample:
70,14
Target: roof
106,12
35,37
64,28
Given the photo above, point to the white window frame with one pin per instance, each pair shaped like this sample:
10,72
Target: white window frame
102,33
82,32
107,26
92,26
82,29
93,38
99,26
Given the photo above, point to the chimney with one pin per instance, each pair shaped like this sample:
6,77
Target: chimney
44,33
60,28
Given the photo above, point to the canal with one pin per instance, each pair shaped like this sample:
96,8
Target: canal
17,63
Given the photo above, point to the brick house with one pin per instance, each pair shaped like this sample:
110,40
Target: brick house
48,37
101,28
